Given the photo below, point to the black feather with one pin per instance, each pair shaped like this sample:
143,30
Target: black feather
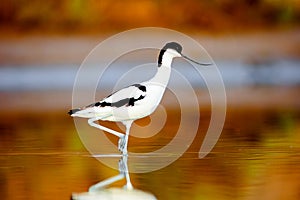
141,87
122,102
73,111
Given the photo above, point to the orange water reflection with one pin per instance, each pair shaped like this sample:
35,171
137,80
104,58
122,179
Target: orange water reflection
257,157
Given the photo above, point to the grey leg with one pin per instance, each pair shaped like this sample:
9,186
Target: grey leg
92,123
123,141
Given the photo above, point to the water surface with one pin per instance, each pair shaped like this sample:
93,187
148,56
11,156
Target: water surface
257,157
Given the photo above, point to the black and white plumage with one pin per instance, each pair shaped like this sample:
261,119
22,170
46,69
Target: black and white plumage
133,102
125,98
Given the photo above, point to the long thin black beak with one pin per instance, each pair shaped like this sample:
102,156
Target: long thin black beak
203,64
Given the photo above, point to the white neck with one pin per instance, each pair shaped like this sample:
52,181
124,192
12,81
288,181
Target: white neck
167,58
162,76
163,73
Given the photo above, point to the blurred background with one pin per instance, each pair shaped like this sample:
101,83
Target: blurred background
255,44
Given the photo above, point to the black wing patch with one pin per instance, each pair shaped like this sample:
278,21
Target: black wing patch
133,100
141,87
123,102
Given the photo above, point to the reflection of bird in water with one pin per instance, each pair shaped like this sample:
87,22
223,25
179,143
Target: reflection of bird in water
133,102
99,190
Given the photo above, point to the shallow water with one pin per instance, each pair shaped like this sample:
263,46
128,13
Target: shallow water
257,157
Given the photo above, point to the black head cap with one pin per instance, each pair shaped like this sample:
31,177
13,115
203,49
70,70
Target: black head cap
171,45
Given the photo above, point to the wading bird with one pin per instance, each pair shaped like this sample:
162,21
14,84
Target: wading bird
135,101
